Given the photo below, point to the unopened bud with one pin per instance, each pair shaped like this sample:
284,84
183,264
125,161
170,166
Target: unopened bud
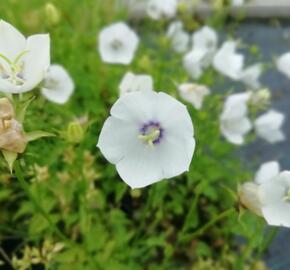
261,98
52,14
75,132
6,109
249,197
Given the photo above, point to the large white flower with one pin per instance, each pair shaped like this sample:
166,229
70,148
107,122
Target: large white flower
58,85
234,121
268,126
23,62
132,83
158,9
118,44
250,76
178,37
193,93
283,64
228,62
149,137
267,171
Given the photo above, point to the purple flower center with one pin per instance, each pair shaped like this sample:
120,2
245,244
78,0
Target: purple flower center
150,128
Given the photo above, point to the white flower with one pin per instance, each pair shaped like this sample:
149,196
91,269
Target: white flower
179,38
228,62
205,39
193,93
234,122
267,171
268,126
118,43
250,76
194,63
275,199
23,62
249,192
283,64
237,2
132,83
158,9
149,137
58,85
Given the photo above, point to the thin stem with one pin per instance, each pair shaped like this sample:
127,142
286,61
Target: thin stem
213,221
5,256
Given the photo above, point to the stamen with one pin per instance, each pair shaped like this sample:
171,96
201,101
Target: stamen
116,44
287,197
151,137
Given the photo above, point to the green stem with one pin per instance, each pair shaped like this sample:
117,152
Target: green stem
205,227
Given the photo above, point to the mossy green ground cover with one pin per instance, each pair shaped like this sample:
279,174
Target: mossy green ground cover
182,223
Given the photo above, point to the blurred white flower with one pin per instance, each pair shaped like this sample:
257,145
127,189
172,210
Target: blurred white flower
23,62
275,199
251,75
158,9
237,2
234,121
58,85
193,93
267,171
283,64
200,57
118,44
149,137
228,62
132,83
268,126
205,39
194,64
178,37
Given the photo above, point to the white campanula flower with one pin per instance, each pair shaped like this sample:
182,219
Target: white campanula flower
283,64
237,2
200,57
23,62
275,199
178,37
250,76
249,192
132,83
58,85
205,39
149,137
268,126
267,171
193,93
118,44
228,62
234,121
194,63
158,9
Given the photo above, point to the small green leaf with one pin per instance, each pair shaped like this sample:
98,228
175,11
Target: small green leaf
34,135
21,110
10,158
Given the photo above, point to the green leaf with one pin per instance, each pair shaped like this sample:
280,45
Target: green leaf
10,158
35,135
21,110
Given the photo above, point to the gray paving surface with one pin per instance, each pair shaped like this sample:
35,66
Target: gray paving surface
272,41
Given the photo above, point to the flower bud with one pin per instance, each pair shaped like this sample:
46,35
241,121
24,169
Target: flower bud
12,136
261,97
52,14
75,132
249,197
6,109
